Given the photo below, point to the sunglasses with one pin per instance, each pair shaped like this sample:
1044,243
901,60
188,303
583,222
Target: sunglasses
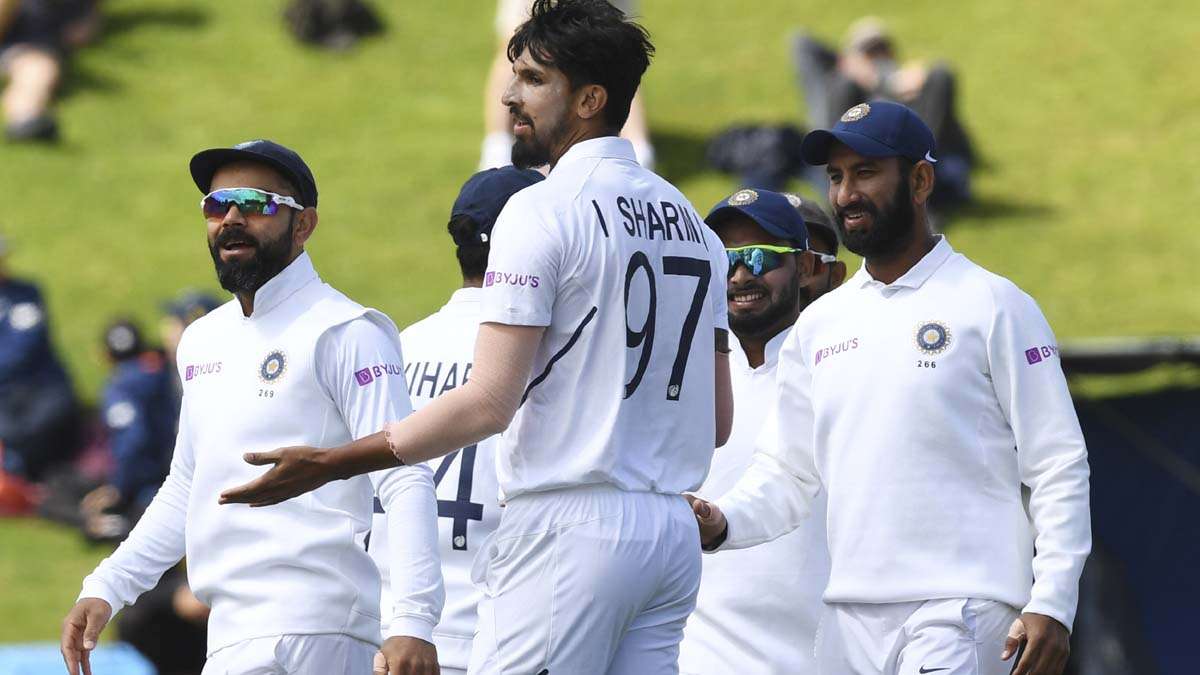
249,202
762,258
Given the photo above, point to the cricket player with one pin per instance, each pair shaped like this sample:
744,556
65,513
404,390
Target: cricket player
758,608
603,342
926,398
289,361
437,354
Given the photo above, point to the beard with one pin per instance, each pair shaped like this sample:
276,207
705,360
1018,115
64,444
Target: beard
534,149
781,312
891,229
269,259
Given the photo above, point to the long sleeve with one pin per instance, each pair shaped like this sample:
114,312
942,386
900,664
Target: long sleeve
775,493
360,365
157,542
1051,456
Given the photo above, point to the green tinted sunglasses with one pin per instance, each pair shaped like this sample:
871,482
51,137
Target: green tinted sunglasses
762,258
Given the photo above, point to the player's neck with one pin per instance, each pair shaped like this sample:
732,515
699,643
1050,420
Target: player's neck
473,282
755,346
575,137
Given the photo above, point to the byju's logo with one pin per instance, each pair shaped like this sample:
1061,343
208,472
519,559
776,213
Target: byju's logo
199,369
510,279
1038,354
363,377
371,373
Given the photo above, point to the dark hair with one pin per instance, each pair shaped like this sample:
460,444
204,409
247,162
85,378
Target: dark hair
472,253
591,42
826,236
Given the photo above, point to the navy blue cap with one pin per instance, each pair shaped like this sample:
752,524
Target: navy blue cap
773,212
875,129
284,160
484,195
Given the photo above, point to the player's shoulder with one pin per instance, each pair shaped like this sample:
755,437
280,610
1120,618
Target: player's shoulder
1001,290
212,323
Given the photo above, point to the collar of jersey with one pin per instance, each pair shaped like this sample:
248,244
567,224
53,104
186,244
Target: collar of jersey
918,275
607,147
293,277
770,352
467,295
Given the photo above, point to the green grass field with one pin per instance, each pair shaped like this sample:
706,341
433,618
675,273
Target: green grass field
1086,121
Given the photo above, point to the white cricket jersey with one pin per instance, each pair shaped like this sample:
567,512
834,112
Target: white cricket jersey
758,608
309,367
630,284
437,358
925,408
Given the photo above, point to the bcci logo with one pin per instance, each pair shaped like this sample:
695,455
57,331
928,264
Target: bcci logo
856,113
933,337
743,197
273,366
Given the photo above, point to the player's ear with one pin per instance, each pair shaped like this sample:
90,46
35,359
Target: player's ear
920,181
591,100
306,222
804,266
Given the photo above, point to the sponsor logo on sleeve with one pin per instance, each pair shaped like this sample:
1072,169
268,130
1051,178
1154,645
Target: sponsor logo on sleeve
1038,354
369,374
510,279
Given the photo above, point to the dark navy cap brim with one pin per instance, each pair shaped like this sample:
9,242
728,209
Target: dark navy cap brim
713,218
815,147
206,163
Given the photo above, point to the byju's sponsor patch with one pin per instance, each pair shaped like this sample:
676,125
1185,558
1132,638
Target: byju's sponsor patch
510,279
369,374
1038,354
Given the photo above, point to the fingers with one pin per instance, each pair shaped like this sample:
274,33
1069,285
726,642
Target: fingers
91,633
1016,633
262,458
258,492
379,667
70,645
701,508
86,662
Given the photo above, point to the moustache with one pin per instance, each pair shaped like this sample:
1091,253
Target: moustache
232,236
856,205
516,114
746,288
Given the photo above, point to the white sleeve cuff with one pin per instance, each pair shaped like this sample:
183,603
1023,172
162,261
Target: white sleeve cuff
1063,615
94,588
411,626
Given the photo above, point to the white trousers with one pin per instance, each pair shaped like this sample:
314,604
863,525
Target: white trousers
294,655
587,581
947,637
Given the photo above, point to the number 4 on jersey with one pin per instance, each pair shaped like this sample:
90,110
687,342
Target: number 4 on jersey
460,509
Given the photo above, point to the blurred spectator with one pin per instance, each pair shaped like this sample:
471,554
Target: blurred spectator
35,38
168,625
177,315
867,69
38,413
140,412
498,140
334,24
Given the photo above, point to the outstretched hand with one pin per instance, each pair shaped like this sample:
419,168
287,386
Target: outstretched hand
712,523
80,631
296,470
1047,645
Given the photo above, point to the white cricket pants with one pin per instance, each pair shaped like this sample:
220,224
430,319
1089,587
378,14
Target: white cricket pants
586,581
293,655
947,637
